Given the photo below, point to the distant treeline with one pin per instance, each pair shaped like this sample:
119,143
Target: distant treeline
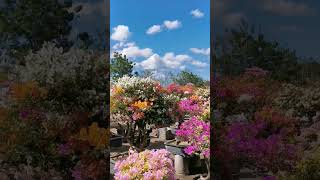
243,47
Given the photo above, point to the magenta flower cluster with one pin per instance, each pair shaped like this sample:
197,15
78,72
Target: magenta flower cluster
197,133
189,106
253,142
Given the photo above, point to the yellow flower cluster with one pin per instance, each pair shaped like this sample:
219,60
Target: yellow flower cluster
118,90
98,137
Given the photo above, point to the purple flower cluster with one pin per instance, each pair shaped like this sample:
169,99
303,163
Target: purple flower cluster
252,141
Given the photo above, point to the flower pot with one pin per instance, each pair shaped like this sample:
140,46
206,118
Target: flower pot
165,134
116,141
181,160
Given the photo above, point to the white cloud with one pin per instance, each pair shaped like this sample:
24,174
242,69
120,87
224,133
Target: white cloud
197,13
153,62
172,24
120,33
121,45
199,64
154,29
135,51
205,52
131,50
169,61
174,61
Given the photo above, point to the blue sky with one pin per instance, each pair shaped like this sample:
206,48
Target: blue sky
292,23
178,36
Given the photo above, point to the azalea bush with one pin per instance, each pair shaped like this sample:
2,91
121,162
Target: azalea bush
148,165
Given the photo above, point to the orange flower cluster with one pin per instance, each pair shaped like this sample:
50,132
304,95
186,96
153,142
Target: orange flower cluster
96,136
142,105
21,91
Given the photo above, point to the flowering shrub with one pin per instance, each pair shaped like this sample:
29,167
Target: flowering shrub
243,94
143,102
265,142
48,124
302,102
62,74
147,165
197,133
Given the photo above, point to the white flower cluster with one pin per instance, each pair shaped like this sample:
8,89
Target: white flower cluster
50,65
138,83
301,100
203,92
77,73
171,98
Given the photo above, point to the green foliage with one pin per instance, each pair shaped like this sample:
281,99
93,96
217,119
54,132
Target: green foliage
185,77
36,21
120,66
307,169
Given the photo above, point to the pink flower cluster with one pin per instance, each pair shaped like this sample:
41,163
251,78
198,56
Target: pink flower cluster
189,106
197,133
146,165
175,88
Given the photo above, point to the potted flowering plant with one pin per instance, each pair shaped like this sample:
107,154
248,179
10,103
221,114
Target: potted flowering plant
149,164
141,102
197,133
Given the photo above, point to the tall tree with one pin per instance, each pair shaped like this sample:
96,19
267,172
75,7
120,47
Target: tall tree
33,22
185,77
242,47
120,66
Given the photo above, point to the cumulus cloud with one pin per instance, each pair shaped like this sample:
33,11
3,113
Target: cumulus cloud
153,62
197,13
199,64
131,50
201,51
120,33
154,29
172,24
169,61
135,51
287,8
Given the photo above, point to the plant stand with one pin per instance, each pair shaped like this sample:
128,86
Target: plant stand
181,165
181,161
165,133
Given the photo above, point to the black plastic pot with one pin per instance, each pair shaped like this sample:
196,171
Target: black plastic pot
116,141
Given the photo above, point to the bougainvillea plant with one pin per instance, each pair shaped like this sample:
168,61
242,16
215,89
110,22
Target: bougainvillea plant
197,133
265,142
